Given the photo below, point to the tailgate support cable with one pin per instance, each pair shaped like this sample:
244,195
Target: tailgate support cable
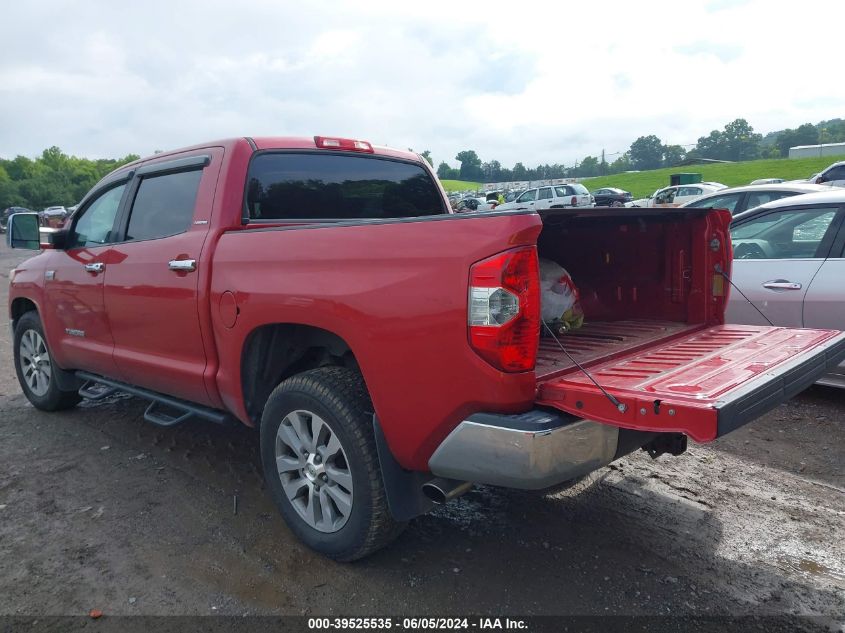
621,407
725,275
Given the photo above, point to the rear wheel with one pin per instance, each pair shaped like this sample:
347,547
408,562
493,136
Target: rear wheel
320,463
35,369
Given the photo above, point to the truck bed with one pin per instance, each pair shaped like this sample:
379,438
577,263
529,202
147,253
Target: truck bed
602,340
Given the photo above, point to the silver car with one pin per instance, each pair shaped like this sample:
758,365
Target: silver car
738,199
789,260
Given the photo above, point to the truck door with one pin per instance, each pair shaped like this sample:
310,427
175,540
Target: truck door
777,254
152,293
544,198
834,177
527,200
75,319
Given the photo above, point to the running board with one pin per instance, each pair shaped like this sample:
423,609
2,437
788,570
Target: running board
154,414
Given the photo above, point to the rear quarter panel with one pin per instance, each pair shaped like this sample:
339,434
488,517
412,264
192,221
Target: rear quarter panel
396,292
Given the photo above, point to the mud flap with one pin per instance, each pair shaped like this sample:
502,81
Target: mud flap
402,487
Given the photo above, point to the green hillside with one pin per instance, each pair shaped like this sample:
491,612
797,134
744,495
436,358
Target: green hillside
644,183
459,185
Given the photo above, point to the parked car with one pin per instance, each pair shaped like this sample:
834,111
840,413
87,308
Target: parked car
676,195
388,351
832,176
475,204
789,260
551,197
8,211
611,197
738,199
766,181
53,217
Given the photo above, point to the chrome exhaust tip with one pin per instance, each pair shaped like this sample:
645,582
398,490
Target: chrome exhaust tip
441,490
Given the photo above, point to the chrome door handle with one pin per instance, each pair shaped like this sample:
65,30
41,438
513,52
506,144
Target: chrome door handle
97,267
782,285
182,265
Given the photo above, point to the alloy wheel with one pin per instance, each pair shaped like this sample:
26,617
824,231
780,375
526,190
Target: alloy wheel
314,471
35,362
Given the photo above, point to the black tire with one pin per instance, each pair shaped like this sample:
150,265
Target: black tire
55,399
337,395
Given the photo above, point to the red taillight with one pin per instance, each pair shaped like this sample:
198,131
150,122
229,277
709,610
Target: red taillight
574,201
504,309
348,144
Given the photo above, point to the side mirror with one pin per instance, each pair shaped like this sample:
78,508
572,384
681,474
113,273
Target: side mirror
819,180
22,231
53,239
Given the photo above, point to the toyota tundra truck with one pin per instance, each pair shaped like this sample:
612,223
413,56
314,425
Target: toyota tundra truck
389,352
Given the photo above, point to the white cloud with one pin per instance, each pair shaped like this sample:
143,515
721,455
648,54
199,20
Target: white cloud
536,82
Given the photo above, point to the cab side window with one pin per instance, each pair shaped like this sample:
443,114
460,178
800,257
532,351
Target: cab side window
728,201
783,234
762,197
545,193
689,191
665,196
94,226
164,205
837,173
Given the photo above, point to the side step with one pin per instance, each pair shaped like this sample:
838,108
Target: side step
163,410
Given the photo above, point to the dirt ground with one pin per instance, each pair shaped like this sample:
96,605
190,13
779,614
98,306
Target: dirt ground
100,510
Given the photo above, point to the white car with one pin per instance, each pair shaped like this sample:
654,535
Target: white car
833,176
677,195
739,199
789,262
551,197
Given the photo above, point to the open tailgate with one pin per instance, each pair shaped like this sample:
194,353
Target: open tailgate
705,383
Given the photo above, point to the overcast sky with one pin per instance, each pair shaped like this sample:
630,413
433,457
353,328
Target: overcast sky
546,82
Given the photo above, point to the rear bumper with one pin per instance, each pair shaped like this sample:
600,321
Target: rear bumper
530,451
542,448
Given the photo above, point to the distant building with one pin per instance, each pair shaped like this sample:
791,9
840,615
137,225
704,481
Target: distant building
810,151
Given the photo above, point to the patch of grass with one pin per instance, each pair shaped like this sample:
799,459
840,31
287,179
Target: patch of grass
460,185
645,183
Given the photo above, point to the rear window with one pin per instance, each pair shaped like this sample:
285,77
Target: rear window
579,189
329,186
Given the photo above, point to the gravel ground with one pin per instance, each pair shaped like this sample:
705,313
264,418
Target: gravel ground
100,510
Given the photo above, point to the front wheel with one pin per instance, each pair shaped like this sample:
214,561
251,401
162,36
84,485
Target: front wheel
35,369
321,466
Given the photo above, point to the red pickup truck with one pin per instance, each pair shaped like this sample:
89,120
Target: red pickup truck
389,351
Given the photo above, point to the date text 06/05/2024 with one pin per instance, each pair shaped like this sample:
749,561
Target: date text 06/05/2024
417,624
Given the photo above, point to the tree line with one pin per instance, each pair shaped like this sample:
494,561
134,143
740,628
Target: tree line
737,141
54,178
